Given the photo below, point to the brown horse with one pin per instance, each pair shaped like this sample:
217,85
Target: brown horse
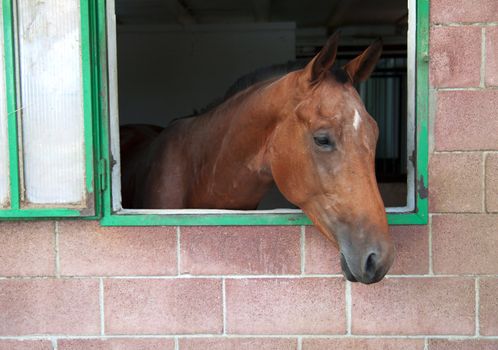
307,131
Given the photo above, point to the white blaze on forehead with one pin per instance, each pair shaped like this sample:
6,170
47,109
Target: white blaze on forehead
356,119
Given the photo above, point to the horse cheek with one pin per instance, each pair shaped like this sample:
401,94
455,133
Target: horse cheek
289,169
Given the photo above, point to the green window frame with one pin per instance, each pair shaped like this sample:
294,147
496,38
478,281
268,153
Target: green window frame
99,160
15,208
132,218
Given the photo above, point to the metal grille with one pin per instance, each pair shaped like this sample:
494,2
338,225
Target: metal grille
385,98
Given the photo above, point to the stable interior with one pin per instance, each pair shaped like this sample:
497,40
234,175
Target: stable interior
175,57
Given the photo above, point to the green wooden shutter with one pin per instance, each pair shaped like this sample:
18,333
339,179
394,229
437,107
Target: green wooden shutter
46,149
419,22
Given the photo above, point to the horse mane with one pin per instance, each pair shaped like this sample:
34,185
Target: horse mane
262,74
273,72
244,82
257,76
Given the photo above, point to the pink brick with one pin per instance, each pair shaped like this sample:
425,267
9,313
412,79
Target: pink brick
465,244
48,306
414,306
25,345
285,306
163,306
27,249
466,120
488,311
491,56
238,344
116,344
455,56
412,252
471,344
492,183
240,250
363,344
321,255
86,248
455,182
451,11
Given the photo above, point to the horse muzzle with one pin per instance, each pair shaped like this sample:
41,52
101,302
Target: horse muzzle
367,265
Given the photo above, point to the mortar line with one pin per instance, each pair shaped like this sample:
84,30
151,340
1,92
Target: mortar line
246,336
224,299
465,152
303,249
349,308
299,343
57,257
465,24
483,184
55,346
432,112
426,344
431,267
478,305
474,88
234,277
460,213
178,251
239,277
101,306
177,344
483,58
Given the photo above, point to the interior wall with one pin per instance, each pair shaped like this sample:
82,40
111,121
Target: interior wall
167,72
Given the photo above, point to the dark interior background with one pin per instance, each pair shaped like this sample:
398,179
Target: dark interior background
175,57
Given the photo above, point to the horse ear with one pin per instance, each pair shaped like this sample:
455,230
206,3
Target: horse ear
324,60
360,68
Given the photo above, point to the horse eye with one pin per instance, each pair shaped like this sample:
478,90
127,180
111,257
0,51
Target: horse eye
324,142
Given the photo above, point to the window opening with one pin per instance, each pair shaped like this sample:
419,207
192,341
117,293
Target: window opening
176,58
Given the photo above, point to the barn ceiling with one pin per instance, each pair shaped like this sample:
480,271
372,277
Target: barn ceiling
360,20
306,13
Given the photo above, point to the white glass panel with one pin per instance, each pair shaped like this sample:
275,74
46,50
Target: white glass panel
51,101
4,161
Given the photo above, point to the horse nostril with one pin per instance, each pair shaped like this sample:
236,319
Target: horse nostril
371,265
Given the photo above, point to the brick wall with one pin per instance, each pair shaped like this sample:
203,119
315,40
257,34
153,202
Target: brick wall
75,285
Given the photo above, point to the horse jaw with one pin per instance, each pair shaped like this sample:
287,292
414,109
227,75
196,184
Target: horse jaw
367,251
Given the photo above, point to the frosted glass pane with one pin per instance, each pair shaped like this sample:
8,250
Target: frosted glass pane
4,161
51,101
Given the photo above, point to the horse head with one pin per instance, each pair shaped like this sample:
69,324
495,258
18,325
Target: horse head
323,160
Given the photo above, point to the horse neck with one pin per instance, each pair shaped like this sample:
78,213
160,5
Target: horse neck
235,149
